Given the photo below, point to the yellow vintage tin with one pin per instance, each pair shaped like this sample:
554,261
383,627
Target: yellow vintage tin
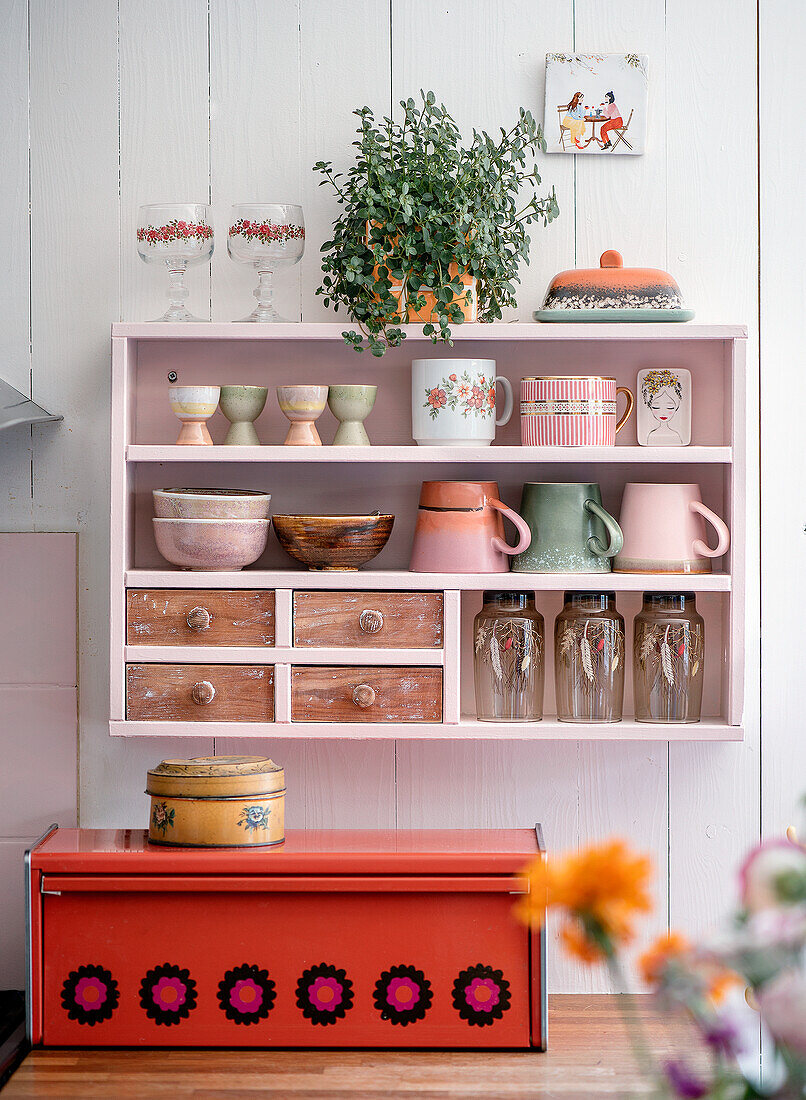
217,802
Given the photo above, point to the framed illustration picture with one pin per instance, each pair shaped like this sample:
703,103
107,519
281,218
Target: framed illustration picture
596,103
663,398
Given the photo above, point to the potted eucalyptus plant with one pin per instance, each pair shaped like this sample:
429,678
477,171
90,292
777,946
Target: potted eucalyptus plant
430,230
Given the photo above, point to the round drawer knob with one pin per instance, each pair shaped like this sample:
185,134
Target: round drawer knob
203,692
370,621
198,619
363,695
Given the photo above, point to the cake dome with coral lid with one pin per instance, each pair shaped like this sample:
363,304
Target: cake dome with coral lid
612,292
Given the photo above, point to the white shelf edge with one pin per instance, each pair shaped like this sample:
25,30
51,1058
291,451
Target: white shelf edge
279,655
380,580
517,330
427,456
710,729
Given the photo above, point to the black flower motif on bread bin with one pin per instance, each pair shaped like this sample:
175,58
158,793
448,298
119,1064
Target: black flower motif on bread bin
481,995
246,994
168,994
403,995
324,994
90,995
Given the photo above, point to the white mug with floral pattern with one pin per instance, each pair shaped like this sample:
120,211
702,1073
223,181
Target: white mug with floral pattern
453,402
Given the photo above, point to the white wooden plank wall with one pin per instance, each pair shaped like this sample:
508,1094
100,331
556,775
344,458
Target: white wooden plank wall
234,100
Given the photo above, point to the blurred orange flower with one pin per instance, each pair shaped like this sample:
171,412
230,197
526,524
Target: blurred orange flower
600,889
671,946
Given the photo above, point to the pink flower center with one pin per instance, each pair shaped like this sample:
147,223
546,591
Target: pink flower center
90,993
482,994
169,994
246,996
402,993
325,994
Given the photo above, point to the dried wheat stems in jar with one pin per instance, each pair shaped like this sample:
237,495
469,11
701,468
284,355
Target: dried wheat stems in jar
589,658
509,644
668,658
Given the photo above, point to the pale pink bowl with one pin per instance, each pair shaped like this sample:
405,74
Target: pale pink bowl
211,545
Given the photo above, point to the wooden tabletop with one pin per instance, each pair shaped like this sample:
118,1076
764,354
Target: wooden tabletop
588,1056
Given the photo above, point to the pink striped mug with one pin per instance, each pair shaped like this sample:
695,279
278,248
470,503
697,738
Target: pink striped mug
571,411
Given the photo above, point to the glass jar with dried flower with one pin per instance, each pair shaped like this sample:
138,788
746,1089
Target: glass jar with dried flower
668,658
589,658
509,644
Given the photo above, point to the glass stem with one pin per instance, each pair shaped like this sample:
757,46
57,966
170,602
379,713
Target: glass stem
177,291
264,292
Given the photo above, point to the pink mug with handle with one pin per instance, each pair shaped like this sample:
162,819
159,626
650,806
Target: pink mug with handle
664,530
460,529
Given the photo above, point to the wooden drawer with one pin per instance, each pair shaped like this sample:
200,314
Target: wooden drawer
199,616
200,693
371,620
394,694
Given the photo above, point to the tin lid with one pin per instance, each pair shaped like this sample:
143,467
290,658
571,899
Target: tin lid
210,776
613,286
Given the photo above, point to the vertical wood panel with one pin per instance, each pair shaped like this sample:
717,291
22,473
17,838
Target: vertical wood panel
484,59
621,204
254,136
164,139
621,201
712,220
74,217
16,451
783,337
344,64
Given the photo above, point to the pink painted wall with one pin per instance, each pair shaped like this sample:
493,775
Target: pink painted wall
38,703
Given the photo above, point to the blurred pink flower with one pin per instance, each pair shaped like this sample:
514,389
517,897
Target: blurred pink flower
766,873
783,1008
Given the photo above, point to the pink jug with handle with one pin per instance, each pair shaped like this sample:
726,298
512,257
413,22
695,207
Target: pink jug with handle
460,529
664,530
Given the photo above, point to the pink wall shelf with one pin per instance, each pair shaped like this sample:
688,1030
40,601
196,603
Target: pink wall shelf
387,476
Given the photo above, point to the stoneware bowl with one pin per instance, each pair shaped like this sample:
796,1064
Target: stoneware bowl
211,504
333,542
211,545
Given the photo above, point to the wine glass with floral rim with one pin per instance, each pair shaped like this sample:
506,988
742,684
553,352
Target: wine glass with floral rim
175,234
270,236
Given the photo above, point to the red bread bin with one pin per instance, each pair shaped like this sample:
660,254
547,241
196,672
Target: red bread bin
333,939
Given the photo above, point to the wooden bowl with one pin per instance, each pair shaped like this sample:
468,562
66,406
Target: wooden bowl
333,542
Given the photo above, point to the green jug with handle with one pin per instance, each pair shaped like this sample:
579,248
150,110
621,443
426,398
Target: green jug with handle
571,531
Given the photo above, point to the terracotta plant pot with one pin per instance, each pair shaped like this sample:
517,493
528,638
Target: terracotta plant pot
467,301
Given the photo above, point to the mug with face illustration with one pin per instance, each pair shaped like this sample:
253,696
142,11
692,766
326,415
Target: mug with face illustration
663,397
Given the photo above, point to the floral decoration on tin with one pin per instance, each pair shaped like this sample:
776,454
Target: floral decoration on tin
402,995
266,232
168,994
90,995
254,817
246,994
162,818
324,994
174,230
481,995
472,397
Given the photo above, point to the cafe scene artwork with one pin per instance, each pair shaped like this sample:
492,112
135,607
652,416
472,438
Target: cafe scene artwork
596,103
